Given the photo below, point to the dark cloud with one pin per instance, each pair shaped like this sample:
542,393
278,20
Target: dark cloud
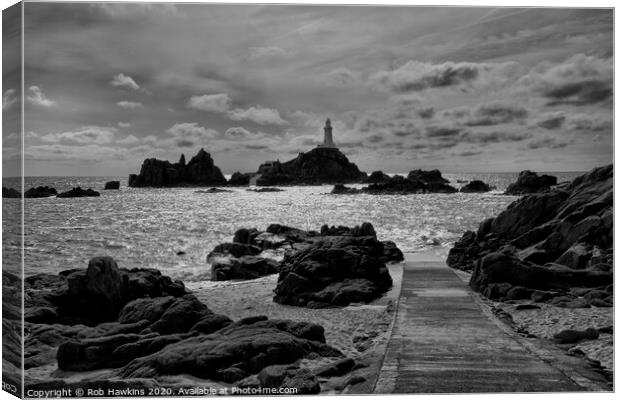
580,80
442,131
594,123
415,75
470,153
495,114
551,120
426,112
494,137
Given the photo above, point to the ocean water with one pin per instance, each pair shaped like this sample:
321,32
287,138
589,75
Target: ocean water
147,227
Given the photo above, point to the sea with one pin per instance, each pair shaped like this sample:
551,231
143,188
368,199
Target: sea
173,229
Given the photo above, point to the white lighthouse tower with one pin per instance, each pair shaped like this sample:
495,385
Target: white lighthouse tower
328,141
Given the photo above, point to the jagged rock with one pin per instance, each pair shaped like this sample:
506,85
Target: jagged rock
200,171
10,193
333,271
239,179
40,191
112,185
79,192
475,186
561,234
530,182
318,166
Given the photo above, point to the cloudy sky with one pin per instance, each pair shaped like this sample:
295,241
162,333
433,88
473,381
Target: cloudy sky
460,89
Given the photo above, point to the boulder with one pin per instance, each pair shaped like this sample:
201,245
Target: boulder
79,192
342,189
333,271
475,186
529,182
199,171
574,336
10,193
432,177
40,191
112,185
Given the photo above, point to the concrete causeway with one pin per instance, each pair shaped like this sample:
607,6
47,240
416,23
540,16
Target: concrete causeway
443,342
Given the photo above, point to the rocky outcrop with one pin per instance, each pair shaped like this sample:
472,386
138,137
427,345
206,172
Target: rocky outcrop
345,266
475,186
139,326
40,191
417,182
254,253
318,166
378,177
529,182
199,171
553,246
10,193
112,185
79,192
213,190
239,179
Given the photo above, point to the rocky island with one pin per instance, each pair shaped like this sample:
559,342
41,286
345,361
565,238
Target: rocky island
416,182
199,171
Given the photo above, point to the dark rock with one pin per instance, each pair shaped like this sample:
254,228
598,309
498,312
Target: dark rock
200,171
342,189
236,250
574,336
530,182
265,190
239,179
432,177
519,293
562,235
333,271
40,191
527,307
112,185
79,192
391,253
365,229
475,187
10,193
378,177
248,347
246,267
318,166
609,329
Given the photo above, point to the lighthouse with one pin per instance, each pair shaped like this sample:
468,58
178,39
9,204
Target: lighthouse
328,141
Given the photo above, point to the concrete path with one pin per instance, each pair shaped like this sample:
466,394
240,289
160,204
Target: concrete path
443,342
